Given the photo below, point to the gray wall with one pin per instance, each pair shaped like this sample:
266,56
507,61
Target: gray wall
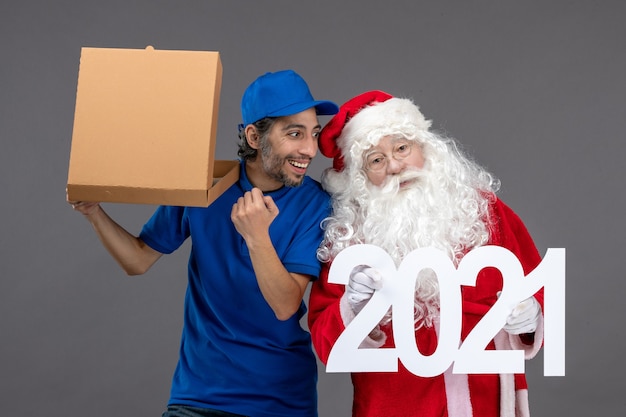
534,89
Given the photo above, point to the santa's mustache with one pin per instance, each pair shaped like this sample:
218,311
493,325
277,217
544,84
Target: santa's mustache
408,175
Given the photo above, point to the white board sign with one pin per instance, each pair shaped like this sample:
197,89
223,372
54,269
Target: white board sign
469,356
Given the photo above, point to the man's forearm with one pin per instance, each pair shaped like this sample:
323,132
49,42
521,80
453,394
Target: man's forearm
130,252
282,290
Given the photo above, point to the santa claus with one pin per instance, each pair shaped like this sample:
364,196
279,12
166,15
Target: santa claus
400,186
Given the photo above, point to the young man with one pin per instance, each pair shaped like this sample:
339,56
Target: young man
243,351
397,185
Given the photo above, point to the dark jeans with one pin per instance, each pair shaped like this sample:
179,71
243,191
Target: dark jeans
186,411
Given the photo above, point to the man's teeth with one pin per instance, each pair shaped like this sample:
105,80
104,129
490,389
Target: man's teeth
299,164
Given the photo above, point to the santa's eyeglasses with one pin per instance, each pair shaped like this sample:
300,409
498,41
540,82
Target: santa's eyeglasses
377,161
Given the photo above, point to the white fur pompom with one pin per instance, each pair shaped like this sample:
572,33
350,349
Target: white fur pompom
333,181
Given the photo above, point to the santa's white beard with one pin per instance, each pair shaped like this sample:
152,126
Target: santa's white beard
421,213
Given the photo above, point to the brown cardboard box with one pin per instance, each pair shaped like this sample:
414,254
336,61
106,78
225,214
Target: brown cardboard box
145,128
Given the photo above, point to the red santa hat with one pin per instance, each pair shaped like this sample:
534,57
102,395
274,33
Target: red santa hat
360,123
329,134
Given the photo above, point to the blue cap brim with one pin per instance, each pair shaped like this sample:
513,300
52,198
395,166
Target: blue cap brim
322,108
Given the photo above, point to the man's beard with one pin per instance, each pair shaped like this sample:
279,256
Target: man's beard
273,166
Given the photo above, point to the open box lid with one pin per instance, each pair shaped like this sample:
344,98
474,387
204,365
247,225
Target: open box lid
145,127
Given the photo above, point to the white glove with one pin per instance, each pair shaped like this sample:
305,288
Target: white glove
364,280
524,317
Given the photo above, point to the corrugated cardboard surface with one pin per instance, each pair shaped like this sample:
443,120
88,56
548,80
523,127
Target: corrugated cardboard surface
145,128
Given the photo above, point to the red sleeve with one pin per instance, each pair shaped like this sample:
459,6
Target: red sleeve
511,233
508,231
325,323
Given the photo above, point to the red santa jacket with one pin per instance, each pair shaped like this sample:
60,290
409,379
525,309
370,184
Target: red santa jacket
403,394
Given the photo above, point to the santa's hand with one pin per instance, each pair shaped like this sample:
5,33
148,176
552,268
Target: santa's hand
364,280
524,317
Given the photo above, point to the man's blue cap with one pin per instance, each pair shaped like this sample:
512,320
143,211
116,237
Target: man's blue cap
281,93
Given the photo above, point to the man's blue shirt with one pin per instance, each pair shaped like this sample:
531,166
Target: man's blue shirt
235,355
